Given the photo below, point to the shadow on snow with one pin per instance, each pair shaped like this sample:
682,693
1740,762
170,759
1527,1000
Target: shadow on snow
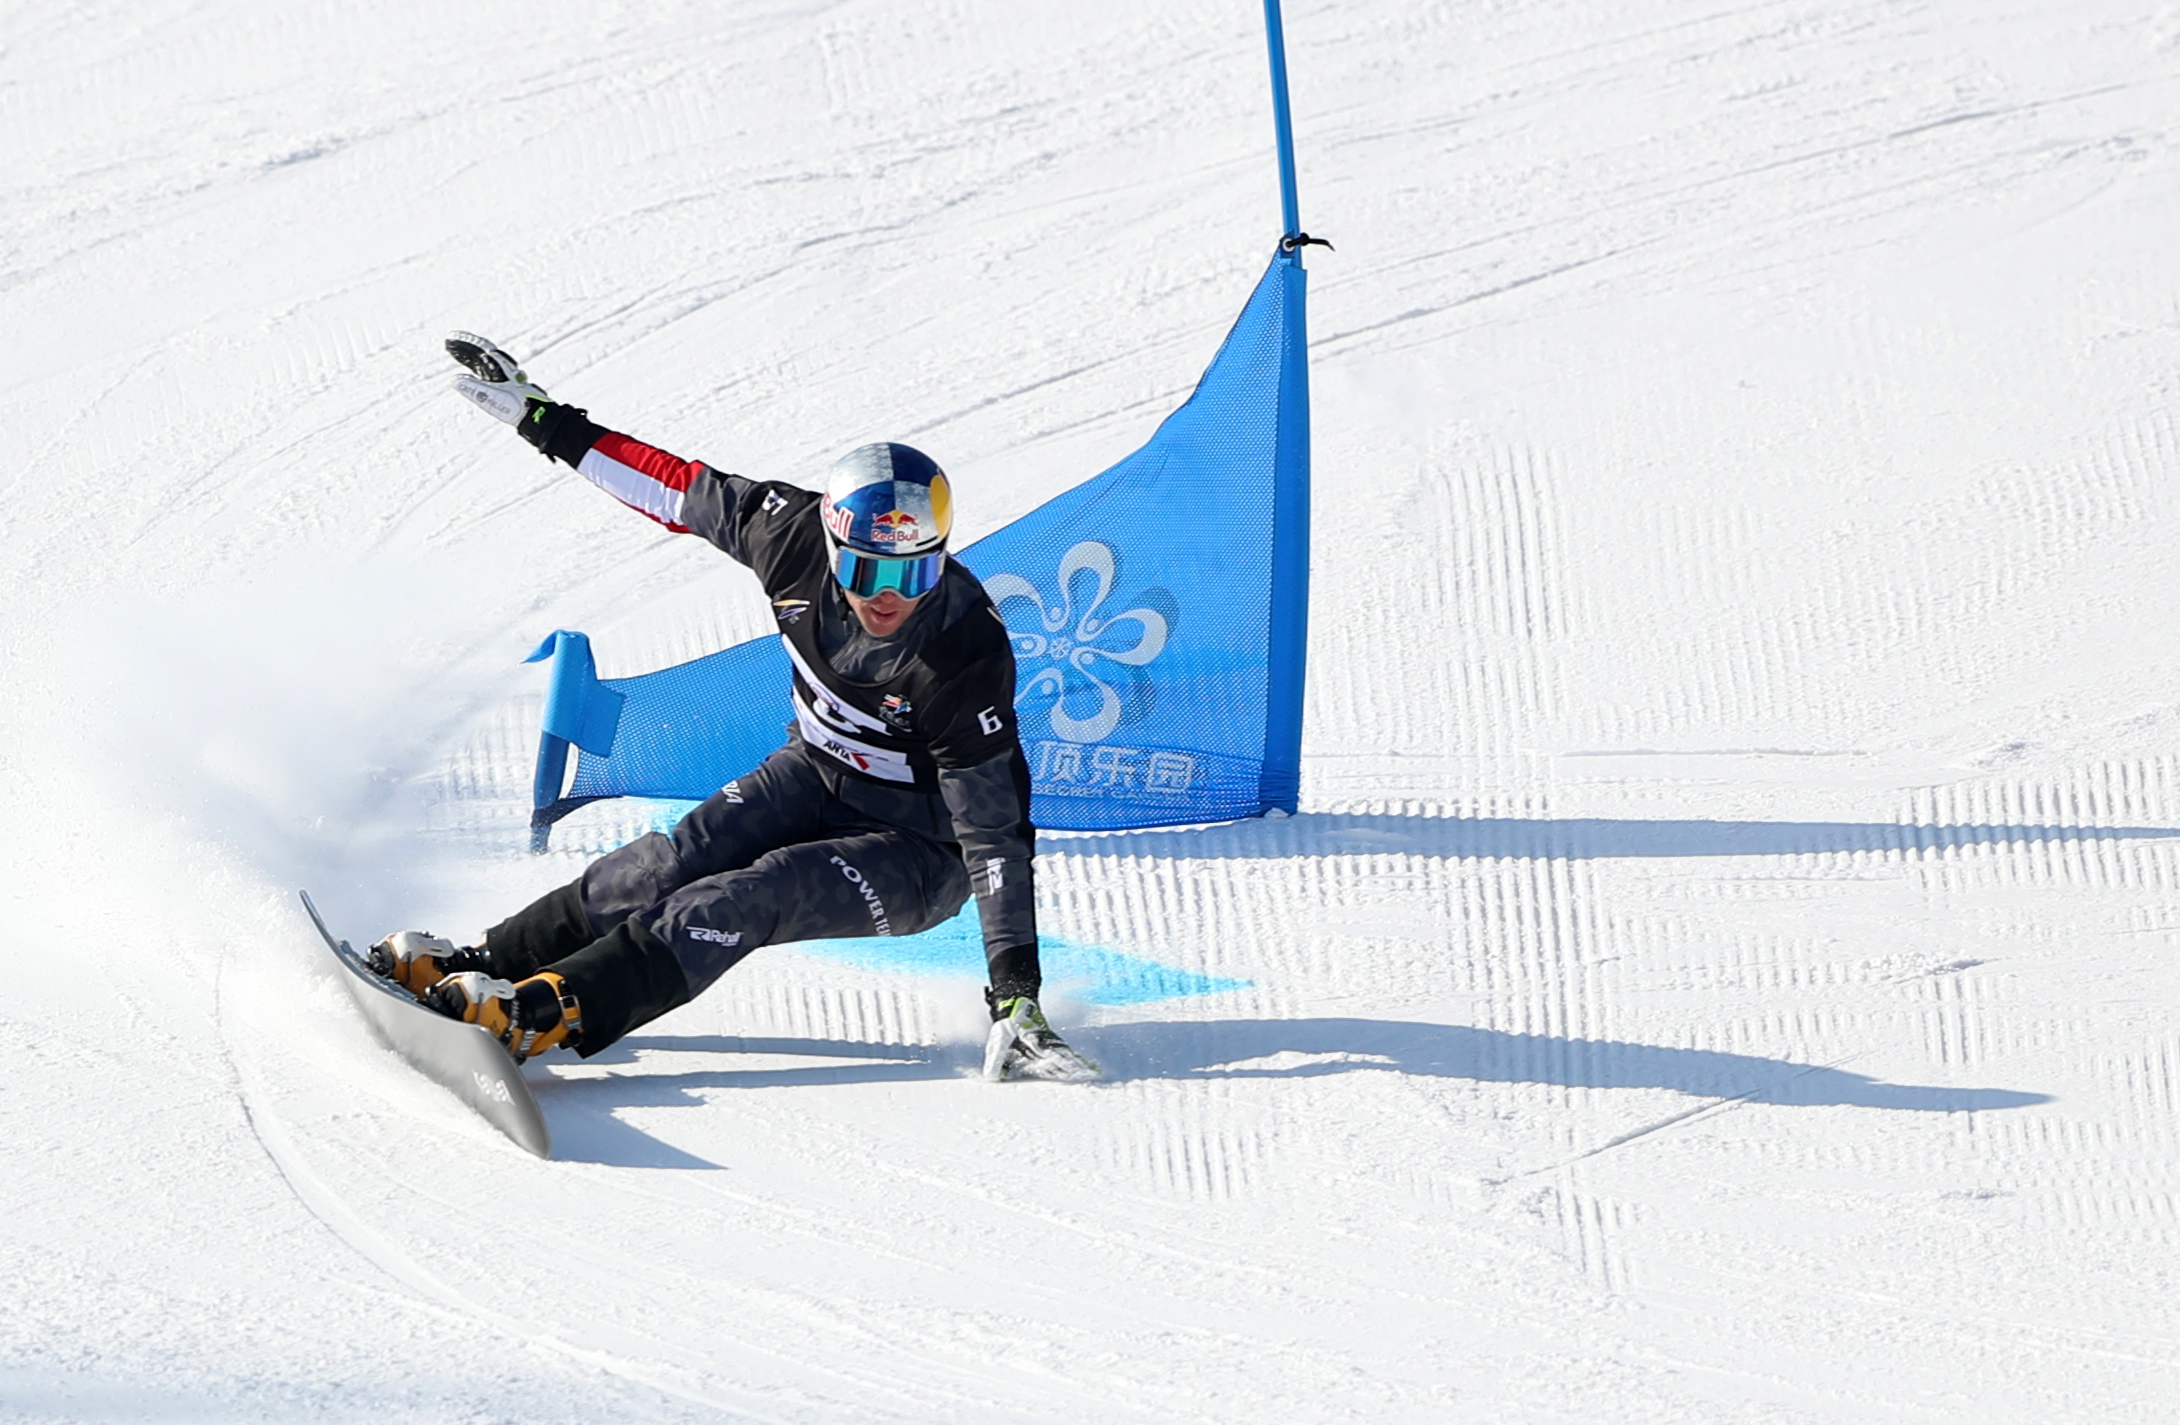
1309,1048
583,1111
586,1126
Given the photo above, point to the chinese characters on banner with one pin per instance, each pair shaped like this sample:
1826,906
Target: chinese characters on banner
1076,769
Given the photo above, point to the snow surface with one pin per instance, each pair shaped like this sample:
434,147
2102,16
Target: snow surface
1724,968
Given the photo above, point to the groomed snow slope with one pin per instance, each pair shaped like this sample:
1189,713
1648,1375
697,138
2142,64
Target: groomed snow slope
1724,969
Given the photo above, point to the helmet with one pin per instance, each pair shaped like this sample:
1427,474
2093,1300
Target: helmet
887,511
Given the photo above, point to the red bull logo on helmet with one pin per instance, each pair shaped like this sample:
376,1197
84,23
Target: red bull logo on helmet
894,527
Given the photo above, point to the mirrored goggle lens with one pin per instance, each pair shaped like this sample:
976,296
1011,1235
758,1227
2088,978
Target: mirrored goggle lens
867,575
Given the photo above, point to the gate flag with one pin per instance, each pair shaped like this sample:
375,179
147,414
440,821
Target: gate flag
1159,614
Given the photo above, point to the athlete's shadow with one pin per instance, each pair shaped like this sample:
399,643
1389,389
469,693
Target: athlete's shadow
587,1128
582,1111
1309,1048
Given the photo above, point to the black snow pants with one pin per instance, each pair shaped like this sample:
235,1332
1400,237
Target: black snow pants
771,857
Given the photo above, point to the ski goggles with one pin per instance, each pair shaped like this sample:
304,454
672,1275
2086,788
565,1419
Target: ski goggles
868,575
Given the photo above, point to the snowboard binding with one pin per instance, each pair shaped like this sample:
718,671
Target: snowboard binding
529,1017
416,960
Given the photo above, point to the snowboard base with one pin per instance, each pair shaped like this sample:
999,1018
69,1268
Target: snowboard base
464,1059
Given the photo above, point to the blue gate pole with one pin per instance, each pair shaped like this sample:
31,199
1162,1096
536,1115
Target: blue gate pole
1281,781
1276,37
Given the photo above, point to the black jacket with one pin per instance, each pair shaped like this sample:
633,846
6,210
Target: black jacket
922,735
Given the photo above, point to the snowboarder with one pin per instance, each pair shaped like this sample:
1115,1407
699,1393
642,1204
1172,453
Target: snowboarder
901,790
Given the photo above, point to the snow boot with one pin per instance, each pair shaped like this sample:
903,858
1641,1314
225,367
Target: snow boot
417,959
1023,1046
538,1014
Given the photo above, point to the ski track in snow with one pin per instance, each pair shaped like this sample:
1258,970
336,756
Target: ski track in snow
1722,969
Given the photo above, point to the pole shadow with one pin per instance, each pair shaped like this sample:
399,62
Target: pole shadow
1237,1049
1574,838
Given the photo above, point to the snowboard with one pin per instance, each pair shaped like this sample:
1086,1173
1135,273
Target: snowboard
467,1061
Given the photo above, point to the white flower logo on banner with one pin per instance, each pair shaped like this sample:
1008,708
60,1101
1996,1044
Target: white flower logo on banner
1086,652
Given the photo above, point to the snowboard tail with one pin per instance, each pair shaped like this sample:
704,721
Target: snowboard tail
463,1058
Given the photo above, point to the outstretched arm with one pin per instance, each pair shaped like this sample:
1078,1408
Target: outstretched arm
648,480
686,496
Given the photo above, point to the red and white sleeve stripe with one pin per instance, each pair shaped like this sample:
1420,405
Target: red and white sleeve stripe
642,477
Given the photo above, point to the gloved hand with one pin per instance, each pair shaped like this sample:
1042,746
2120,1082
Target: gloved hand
494,382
